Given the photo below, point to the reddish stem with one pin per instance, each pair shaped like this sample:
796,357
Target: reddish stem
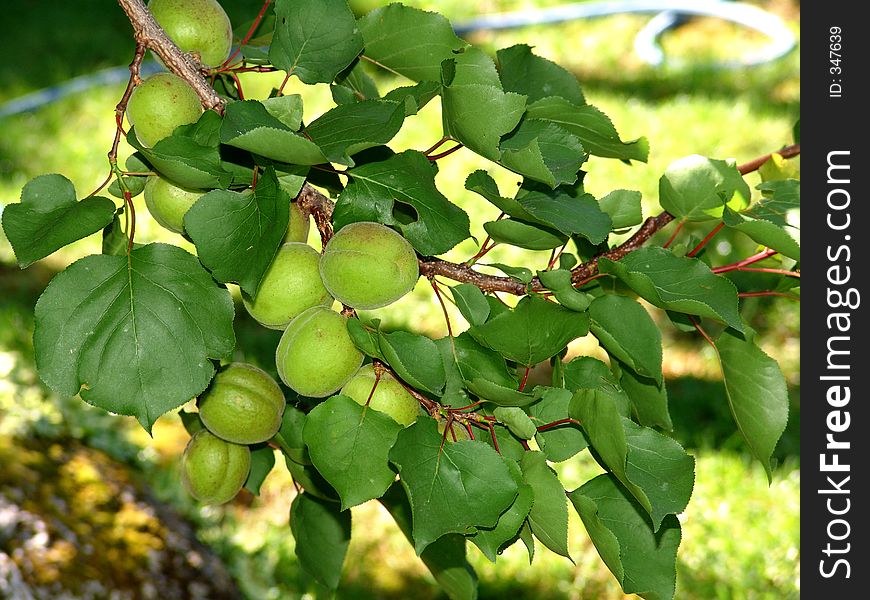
525,379
443,306
674,235
775,271
437,145
771,293
248,35
709,237
703,333
445,153
767,253
547,426
238,85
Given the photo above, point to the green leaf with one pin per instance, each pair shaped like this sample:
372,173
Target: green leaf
474,108
289,436
351,128
757,394
354,85
134,335
528,540
764,232
471,303
624,208
481,182
559,281
49,217
250,126
641,559
322,535
262,461
523,235
517,421
350,444
591,126
451,488
415,358
409,41
548,516
521,274
492,541
587,372
653,467
534,331
486,374
563,441
310,479
523,72
190,156
627,332
543,151
287,109
237,234
676,283
780,197
314,39
648,398
366,341
135,185
567,208
697,188
445,557
414,97
407,179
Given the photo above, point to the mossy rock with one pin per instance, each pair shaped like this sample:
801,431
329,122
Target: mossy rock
79,526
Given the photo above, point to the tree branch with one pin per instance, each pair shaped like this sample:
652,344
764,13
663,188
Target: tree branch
149,34
319,206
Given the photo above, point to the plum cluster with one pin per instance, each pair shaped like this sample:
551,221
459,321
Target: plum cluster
364,265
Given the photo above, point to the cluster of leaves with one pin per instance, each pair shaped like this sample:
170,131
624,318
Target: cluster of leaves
138,330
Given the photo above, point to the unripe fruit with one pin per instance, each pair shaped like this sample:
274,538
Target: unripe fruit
243,405
316,355
200,27
389,396
168,203
297,228
159,104
368,265
291,285
212,470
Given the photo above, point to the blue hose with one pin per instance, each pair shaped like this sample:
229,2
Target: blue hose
645,44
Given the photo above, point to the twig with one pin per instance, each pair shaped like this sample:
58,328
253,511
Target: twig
149,34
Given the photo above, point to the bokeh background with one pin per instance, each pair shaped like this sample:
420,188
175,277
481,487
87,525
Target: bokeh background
92,507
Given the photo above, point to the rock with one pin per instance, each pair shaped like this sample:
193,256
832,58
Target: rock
74,524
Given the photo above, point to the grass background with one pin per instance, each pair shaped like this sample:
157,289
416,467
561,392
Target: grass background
740,536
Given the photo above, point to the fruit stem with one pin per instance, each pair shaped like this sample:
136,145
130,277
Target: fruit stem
248,35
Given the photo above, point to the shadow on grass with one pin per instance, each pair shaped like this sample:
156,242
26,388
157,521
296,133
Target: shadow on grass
702,419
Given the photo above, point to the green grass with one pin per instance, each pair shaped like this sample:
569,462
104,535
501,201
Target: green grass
741,537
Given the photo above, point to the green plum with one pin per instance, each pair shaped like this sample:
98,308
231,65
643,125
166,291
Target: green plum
388,397
242,405
168,203
316,355
214,470
291,285
200,27
159,104
297,228
368,265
